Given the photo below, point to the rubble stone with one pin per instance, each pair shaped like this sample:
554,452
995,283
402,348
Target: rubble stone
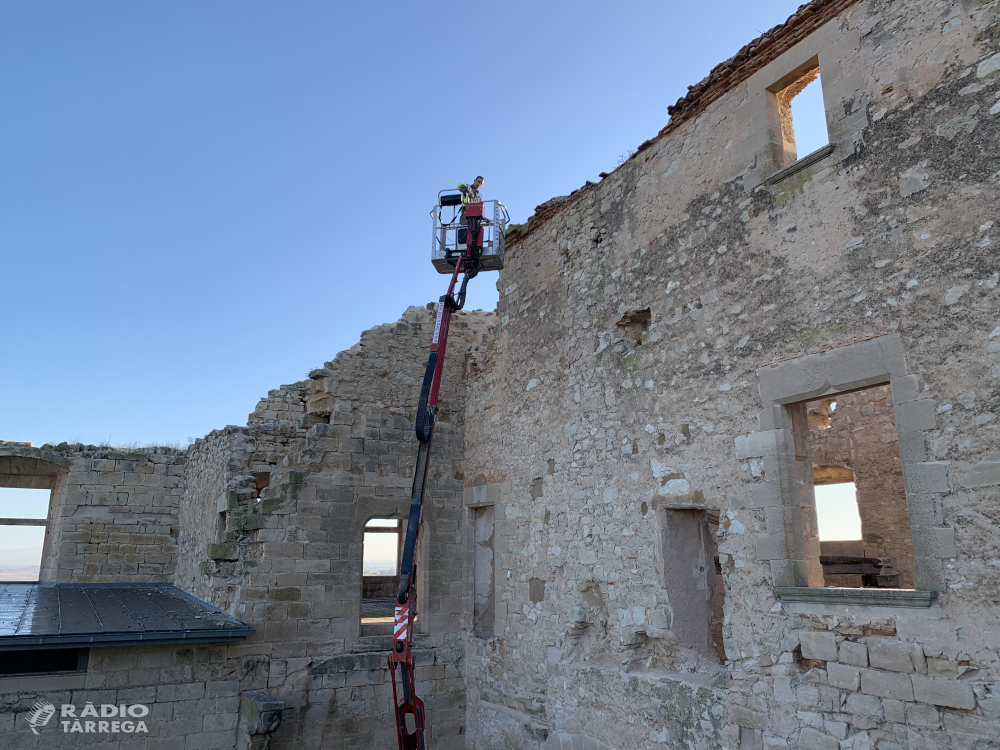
818,644
949,693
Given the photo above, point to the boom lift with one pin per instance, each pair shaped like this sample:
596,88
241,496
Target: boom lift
461,246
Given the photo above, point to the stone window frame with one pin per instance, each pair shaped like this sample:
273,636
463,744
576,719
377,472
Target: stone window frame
776,124
795,570
474,498
824,48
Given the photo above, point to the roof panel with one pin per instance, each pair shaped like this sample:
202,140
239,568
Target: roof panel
36,615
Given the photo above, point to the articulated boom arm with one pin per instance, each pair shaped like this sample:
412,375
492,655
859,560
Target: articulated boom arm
408,707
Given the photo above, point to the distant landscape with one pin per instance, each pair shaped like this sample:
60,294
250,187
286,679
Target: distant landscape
21,546
20,564
380,568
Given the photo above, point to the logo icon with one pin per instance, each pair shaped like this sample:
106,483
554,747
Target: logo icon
40,715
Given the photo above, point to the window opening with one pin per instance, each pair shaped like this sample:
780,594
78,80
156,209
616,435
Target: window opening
862,519
262,480
43,661
23,520
801,113
484,607
837,516
380,556
690,568
220,527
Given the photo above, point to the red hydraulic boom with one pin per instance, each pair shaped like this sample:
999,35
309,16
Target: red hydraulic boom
467,260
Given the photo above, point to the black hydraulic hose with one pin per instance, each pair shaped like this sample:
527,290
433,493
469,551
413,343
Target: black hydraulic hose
460,298
425,415
413,521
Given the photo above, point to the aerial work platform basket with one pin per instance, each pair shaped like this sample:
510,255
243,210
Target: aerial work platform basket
449,237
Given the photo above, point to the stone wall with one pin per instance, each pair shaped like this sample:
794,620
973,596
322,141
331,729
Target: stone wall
220,508
112,512
193,693
639,317
337,450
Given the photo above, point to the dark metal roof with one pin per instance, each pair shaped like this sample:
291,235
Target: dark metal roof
36,615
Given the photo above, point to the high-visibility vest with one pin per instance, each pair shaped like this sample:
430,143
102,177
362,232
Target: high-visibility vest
470,194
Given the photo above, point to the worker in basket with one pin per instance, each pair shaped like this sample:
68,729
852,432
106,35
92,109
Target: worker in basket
470,194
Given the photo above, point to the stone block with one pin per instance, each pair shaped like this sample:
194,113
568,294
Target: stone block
915,416
935,542
770,547
842,676
983,474
210,740
749,718
740,444
864,705
942,668
771,418
949,693
967,723
928,477
763,443
284,594
182,692
777,519
260,713
895,711
988,66
812,739
763,495
924,509
886,685
912,447
920,715
227,551
820,645
904,389
853,653
890,654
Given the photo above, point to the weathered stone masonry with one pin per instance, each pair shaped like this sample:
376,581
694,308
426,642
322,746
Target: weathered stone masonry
636,412
602,433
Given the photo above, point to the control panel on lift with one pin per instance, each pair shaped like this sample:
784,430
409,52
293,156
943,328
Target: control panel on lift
450,234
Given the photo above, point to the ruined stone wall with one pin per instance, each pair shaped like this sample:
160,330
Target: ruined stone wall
112,513
638,317
336,451
220,505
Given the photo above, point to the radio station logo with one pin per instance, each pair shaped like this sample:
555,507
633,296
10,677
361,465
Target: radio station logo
107,718
40,715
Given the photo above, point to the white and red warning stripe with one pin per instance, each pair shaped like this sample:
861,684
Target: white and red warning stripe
402,621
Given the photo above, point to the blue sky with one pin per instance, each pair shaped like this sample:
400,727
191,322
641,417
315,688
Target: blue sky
202,201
